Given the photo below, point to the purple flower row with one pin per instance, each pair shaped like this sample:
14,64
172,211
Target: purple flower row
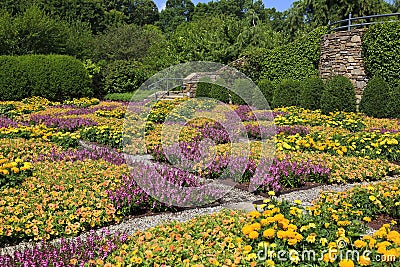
256,131
66,124
7,122
159,185
109,155
288,174
383,130
74,252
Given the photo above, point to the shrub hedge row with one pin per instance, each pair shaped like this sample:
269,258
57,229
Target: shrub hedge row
297,60
54,77
381,52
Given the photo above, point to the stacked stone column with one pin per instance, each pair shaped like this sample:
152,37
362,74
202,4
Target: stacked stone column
341,54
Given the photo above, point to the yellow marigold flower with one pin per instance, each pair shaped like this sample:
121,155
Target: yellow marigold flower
323,241
253,235
279,217
346,263
297,201
343,223
330,256
340,232
394,237
332,245
292,241
311,238
367,219
254,214
281,234
390,255
269,233
247,229
271,193
360,244
256,226
372,198
270,263
247,248
264,222
364,261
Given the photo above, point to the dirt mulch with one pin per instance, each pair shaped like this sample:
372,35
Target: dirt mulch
381,220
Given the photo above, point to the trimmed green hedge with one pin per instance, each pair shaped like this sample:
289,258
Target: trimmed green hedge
203,88
54,77
375,98
310,95
287,93
219,92
381,48
296,60
267,89
338,95
242,92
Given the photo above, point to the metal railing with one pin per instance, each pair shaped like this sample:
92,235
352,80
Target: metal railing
165,88
348,22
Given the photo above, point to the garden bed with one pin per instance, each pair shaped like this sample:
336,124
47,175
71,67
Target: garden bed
53,188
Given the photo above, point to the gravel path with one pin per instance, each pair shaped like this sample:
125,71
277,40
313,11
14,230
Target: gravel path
235,199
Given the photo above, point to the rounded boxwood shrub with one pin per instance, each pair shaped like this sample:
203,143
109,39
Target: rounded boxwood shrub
375,98
310,95
287,93
54,77
394,103
219,92
122,76
267,89
242,92
338,95
203,87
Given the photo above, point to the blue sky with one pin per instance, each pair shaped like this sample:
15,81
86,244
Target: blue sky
280,5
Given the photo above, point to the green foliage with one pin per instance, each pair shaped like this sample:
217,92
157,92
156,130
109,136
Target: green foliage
381,47
53,77
287,93
123,76
267,89
135,96
296,60
175,13
375,98
144,12
219,92
338,95
203,87
394,103
220,39
35,32
310,94
126,42
305,15
243,91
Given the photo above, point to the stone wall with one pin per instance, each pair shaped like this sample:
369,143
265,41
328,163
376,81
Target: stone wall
341,54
